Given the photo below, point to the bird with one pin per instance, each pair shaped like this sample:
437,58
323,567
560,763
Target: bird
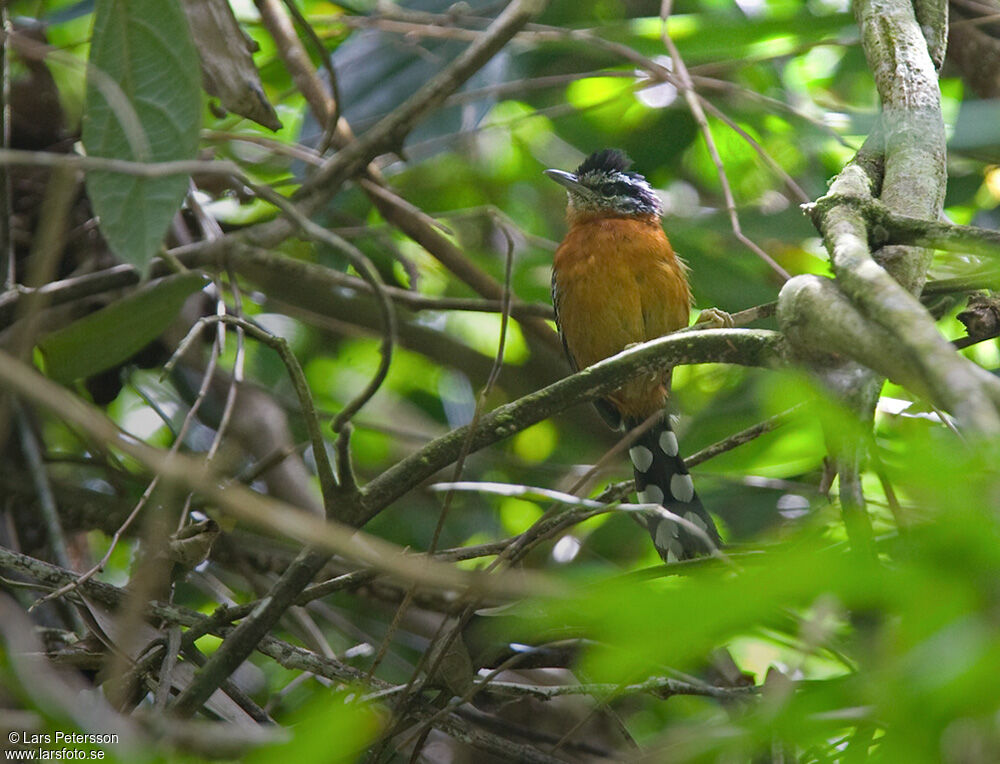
616,282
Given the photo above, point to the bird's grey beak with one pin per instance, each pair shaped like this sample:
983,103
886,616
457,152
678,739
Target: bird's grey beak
568,180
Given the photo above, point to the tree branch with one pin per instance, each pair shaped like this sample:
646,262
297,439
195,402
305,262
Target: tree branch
285,654
751,347
902,229
244,639
278,517
388,134
911,124
877,322
659,686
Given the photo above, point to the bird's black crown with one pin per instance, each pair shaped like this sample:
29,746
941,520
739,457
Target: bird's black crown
607,184
607,161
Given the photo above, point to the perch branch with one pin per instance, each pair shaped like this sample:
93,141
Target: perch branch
741,346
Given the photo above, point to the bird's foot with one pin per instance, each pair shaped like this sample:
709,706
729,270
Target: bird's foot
713,318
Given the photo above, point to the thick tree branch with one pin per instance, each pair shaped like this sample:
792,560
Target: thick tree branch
870,314
913,184
900,332
825,327
911,124
749,347
902,229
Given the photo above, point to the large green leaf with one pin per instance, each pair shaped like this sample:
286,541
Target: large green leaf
113,334
143,103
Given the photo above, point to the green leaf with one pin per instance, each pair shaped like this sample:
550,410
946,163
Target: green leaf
113,334
327,730
143,104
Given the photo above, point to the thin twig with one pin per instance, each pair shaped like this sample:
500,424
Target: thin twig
327,480
31,451
326,61
8,265
687,88
742,437
484,393
510,489
660,687
150,488
776,168
24,158
291,150
770,103
403,702
165,679
368,272
211,230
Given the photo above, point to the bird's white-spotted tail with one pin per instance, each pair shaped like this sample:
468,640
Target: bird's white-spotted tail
662,478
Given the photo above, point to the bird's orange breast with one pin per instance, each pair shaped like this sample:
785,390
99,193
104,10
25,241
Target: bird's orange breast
618,282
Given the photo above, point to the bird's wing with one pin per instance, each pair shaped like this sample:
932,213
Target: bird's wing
608,412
